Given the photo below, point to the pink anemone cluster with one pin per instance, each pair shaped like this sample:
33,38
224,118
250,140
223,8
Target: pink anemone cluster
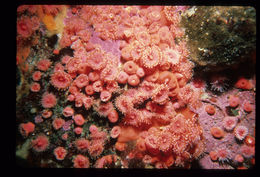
169,141
97,142
126,67
27,26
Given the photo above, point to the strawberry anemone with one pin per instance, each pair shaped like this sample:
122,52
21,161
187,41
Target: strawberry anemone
123,103
151,57
96,59
61,80
130,67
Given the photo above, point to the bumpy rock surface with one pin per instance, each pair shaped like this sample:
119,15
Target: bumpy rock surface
220,36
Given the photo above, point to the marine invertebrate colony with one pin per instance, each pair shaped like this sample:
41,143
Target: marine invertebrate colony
110,87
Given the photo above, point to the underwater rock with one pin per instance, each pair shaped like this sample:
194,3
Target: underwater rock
220,36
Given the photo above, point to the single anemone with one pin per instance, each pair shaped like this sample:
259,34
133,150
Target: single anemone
136,50
82,144
103,109
130,67
172,56
72,65
218,84
151,57
243,83
112,86
147,88
115,132
133,80
223,154
98,86
48,100
133,118
57,123
61,80
97,59
60,153
95,148
40,143
44,64
35,87
122,77
229,123
81,161
144,38
88,102
123,103
82,80
240,132
165,34
126,52
247,151
105,95
109,73
178,124
151,143
217,132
